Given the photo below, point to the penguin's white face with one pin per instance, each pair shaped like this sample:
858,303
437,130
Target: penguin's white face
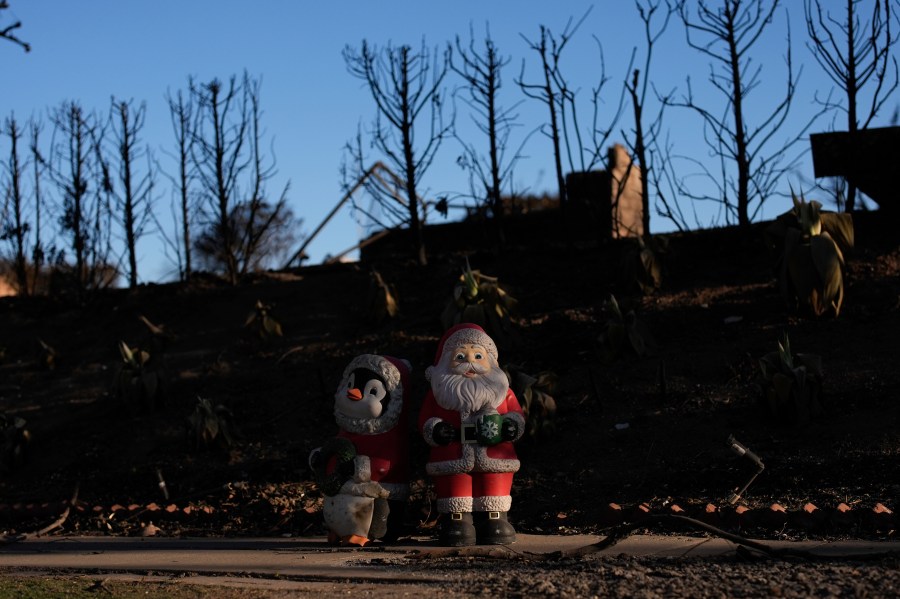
361,395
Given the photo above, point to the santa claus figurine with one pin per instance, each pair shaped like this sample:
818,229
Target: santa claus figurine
365,469
471,418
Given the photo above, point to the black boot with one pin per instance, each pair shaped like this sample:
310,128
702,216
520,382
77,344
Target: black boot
457,530
396,521
492,528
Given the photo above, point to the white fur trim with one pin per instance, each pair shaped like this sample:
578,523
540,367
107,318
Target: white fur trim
492,503
377,364
448,505
362,469
428,430
484,463
470,336
463,464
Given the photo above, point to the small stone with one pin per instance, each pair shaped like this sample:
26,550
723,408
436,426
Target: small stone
150,530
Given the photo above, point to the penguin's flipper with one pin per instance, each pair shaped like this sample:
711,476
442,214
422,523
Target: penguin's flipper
365,489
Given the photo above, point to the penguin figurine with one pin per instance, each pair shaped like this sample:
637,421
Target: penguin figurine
365,468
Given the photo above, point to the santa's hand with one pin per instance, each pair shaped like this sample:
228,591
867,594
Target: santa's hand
443,433
509,430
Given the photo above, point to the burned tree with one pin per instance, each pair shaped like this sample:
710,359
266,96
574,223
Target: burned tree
243,228
751,161
15,227
84,186
134,198
547,91
581,153
481,73
23,209
403,83
220,160
38,164
182,114
7,31
855,55
645,135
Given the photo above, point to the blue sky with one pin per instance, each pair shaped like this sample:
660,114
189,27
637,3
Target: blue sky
94,49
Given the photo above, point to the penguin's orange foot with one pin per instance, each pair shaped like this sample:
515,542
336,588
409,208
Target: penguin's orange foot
354,540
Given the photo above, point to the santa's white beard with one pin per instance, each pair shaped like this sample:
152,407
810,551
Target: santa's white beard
467,395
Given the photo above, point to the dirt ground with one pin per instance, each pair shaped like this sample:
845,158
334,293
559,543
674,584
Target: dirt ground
622,576
635,430
628,576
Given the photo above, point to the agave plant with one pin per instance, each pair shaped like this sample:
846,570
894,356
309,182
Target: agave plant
792,384
624,334
46,356
382,299
535,395
643,263
139,382
261,322
810,245
211,426
479,299
160,336
14,440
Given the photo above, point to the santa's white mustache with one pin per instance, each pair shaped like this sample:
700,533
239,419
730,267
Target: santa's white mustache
469,367
456,389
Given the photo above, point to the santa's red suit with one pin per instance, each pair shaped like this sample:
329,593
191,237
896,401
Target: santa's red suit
469,476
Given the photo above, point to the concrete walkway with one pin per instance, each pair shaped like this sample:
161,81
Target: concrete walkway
304,562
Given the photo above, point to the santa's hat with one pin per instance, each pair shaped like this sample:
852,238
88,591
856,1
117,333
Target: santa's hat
465,333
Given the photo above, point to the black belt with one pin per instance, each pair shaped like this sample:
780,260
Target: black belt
468,434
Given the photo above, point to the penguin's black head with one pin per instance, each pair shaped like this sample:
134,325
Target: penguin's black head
363,395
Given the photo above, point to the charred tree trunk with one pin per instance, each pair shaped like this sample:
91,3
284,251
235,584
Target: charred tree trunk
17,230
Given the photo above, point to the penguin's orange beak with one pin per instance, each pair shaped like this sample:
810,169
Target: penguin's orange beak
354,394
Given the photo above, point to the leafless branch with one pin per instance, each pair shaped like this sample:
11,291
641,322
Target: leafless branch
7,31
751,159
403,84
856,56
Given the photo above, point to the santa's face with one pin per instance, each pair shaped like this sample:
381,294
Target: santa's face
470,361
468,380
